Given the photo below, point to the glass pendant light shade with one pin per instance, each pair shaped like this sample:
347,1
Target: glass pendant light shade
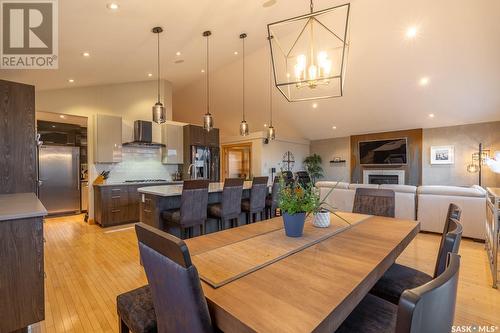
243,128
208,121
309,53
271,133
159,111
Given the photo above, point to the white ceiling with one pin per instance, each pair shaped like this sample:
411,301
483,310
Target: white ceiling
457,48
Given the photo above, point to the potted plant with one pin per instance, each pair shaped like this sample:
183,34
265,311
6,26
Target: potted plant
322,210
313,167
295,202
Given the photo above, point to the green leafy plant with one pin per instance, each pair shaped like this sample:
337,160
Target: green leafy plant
293,198
313,166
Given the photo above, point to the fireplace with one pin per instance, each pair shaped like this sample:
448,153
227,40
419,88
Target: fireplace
380,177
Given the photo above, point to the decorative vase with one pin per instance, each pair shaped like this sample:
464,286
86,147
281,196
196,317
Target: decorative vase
321,219
294,224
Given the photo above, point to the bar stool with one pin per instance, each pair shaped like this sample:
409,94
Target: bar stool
272,200
229,210
193,211
256,204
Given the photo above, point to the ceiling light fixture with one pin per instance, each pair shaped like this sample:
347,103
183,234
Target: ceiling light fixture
235,52
203,71
243,125
317,57
178,53
86,54
423,81
159,111
113,6
411,32
71,81
208,120
62,116
150,74
315,105
431,115
334,127
271,131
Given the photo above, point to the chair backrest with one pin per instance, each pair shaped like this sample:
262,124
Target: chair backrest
259,193
231,196
178,298
303,179
288,176
430,308
194,202
450,242
275,192
379,202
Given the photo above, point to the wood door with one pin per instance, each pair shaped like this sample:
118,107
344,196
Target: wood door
17,138
229,164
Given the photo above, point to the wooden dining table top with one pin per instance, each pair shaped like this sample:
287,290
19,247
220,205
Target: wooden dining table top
312,290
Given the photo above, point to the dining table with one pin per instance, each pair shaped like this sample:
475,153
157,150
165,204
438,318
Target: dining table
256,279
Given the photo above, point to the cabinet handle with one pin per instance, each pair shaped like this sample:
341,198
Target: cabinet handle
116,211
116,189
116,197
147,211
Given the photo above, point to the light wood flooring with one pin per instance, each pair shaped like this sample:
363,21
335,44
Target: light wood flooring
87,267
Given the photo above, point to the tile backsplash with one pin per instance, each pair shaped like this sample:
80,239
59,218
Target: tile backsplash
138,163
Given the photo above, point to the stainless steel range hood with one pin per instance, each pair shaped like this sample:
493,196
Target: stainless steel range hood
143,136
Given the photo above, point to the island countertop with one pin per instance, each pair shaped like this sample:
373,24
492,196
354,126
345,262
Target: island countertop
20,206
176,190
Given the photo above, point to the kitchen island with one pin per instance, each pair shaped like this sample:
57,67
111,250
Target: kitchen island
156,199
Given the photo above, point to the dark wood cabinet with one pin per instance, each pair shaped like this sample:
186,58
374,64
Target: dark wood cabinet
197,136
17,138
22,273
212,138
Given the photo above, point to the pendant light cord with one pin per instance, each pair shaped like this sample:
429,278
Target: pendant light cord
158,67
271,92
208,81
243,78
312,6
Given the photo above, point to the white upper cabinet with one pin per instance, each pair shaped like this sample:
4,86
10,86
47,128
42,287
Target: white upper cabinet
172,136
107,139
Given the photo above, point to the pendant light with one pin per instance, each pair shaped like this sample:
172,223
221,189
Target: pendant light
243,124
159,111
271,131
208,121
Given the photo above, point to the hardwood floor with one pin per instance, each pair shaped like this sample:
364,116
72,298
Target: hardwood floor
87,267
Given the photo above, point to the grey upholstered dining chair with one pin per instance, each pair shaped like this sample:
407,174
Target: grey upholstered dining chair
178,298
399,277
193,210
228,211
256,204
272,200
429,308
370,201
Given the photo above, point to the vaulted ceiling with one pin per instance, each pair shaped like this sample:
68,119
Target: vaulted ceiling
456,49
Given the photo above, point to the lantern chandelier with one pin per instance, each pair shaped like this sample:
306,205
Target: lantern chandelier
309,53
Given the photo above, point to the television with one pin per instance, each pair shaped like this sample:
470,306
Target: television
383,152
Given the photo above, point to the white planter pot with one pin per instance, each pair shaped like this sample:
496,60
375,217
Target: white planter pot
321,220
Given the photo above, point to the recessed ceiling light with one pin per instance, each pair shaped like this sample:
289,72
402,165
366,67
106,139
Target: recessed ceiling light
150,74
53,126
431,115
411,32
315,105
62,116
203,71
235,52
265,125
334,127
424,81
178,53
113,6
71,81
86,54
269,3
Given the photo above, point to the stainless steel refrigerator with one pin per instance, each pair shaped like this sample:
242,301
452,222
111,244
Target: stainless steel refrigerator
206,161
59,178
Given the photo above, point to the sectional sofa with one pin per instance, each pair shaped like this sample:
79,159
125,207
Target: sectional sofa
427,204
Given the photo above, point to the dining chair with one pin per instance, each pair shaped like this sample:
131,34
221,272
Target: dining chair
288,177
178,298
228,211
272,200
378,202
302,177
136,311
193,210
256,204
399,277
429,308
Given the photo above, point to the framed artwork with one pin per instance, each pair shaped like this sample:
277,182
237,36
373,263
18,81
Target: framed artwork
288,161
442,155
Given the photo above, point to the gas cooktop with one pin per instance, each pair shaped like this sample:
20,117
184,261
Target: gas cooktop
145,180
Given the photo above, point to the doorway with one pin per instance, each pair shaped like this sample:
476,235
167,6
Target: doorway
237,161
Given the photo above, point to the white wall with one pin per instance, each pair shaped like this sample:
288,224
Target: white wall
328,150
131,101
267,156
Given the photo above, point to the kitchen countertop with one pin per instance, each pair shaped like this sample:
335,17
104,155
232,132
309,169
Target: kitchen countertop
167,182
176,190
20,206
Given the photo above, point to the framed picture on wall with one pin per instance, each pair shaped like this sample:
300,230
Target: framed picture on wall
442,155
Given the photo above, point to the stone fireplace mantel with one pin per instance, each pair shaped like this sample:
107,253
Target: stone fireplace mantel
386,176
